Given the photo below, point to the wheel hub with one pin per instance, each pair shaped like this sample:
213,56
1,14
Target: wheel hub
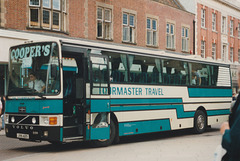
200,122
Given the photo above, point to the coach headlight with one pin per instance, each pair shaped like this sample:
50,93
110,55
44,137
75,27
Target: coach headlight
34,120
12,119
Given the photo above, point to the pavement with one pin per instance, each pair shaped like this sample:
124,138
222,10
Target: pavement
177,146
2,132
164,150
168,146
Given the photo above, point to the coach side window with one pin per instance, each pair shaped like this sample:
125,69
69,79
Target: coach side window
117,67
143,69
200,74
135,68
213,75
175,72
155,71
196,78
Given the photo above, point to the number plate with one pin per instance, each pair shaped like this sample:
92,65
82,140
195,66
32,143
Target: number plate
22,136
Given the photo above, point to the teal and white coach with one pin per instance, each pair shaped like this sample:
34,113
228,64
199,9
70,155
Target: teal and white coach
99,91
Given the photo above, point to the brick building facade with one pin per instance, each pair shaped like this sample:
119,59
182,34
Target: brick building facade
79,20
158,24
218,34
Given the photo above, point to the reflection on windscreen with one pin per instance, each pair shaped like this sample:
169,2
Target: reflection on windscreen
34,70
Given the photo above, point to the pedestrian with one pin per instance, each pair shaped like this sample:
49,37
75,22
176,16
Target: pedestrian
231,134
2,100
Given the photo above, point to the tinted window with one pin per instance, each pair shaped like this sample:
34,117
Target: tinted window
175,72
144,70
117,66
203,75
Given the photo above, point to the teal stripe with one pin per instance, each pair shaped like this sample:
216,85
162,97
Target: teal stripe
87,133
99,105
135,105
61,134
45,67
144,101
124,102
100,133
70,69
179,109
209,92
218,112
35,106
131,128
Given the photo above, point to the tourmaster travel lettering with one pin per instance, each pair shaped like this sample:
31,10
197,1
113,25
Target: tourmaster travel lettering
135,91
126,91
154,91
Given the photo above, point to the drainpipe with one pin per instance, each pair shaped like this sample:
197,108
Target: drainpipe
194,36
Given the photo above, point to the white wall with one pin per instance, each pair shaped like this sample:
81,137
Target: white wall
189,5
5,44
9,38
224,8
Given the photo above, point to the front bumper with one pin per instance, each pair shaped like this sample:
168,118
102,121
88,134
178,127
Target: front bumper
34,133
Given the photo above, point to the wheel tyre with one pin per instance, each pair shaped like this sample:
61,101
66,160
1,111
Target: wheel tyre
107,142
200,122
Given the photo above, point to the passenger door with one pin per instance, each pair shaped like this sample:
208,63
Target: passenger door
100,97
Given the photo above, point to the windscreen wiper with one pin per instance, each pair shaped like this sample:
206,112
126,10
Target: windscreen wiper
34,92
40,95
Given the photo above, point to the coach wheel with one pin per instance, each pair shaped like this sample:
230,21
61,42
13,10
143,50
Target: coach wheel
200,122
107,142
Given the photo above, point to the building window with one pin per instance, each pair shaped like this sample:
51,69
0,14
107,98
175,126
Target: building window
185,39
151,32
203,12
231,27
170,36
48,14
35,3
238,55
231,54
46,19
104,23
213,51
34,17
203,49
56,4
46,4
224,23
56,20
214,21
128,27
